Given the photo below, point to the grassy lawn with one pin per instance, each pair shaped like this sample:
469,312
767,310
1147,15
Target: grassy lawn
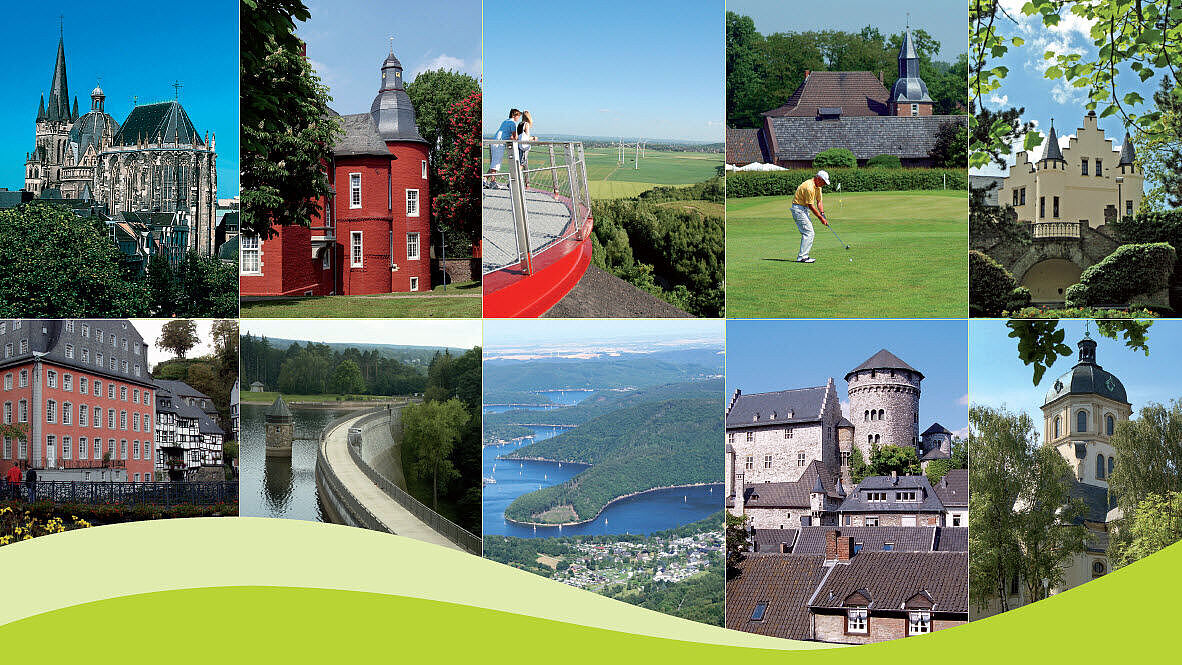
267,397
909,252
424,305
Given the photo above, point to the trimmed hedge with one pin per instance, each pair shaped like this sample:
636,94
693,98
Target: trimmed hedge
884,161
1151,227
1079,313
784,183
1130,270
835,158
992,289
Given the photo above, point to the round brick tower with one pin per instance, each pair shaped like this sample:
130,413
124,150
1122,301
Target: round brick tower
884,402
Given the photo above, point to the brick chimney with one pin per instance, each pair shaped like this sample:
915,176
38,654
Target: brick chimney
880,75
845,548
831,545
807,72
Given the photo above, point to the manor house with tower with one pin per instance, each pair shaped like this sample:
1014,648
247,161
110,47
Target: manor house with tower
373,233
852,110
154,165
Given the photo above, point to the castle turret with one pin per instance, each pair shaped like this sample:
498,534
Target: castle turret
909,95
392,110
884,396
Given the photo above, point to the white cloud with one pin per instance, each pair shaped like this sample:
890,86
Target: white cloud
999,100
962,433
323,71
963,401
445,61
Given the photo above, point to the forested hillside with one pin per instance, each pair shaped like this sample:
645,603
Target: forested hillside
632,449
315,369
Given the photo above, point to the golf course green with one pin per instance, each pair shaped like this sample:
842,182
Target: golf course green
908,257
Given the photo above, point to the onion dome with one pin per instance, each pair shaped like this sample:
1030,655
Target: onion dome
1087,378
392,110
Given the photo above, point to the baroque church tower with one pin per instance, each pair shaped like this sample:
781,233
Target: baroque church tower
54,121
909,95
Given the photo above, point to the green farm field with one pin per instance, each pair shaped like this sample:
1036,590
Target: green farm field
909,252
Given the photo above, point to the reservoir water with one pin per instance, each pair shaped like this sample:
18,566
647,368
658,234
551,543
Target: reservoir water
547,400
652,511
278,486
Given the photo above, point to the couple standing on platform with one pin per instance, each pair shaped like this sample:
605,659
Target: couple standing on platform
517,127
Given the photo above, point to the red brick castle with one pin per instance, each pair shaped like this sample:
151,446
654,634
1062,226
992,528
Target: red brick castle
374,231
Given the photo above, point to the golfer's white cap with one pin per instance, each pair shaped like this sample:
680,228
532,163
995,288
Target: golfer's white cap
823,175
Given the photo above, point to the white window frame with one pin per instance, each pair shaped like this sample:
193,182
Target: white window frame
356,249
354,191
914,110
414,283
857,621
424,169
251,252
412,199
83,447
919,622
417,246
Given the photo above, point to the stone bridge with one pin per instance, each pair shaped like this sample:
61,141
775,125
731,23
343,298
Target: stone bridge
1058,252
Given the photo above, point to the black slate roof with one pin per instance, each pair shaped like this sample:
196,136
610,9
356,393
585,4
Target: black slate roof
953,489
1052,146
934,454
883,360
163,122
928,501
890,579
181,388
770,540
952,539
1127,155
804,405
359,136
801,138
1096,500
937,428
792,494
49,338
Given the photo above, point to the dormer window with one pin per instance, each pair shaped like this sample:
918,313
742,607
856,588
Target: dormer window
755,418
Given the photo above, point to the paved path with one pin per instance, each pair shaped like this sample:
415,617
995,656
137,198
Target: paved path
396,518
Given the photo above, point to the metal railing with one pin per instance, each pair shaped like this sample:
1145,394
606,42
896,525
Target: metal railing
539,197
1054,230
132,493
438,523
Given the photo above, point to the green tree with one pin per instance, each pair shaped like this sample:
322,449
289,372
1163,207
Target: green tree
430,431
859,469
888,459
738,542
1040,343
1022,520
224,333
433,93
178,336
60,265
288,129
952,145
1157,524
744,89
346,379
1159,154
456,178
1148,450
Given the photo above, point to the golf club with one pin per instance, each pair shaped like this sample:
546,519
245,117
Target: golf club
830,227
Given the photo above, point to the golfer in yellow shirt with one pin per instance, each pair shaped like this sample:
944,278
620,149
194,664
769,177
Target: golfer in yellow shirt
808,198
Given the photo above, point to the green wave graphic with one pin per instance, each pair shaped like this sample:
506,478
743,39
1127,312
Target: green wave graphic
420,601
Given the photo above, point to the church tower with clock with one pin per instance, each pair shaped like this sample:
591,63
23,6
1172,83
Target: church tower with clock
1080,413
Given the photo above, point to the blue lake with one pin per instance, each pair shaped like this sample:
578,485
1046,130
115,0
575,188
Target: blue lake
646,513
547,400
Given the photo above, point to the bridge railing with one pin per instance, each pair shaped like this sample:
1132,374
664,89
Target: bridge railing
1055,230
555,168
129,493
438,523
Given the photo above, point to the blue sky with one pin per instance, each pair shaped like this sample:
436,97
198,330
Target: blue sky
769,355
348,40
1044,99
946,21
998,377
609,68
130,45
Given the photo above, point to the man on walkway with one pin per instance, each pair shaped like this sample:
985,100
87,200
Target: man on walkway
496,152
14,481
808,199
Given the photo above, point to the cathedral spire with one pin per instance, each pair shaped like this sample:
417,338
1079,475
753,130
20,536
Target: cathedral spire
59,92
41,109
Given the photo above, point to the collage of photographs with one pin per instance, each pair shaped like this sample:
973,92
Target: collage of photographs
290,262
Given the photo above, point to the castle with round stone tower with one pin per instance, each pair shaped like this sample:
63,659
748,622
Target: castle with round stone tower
884,402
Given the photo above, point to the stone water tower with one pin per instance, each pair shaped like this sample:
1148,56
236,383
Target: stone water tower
884,402
280,429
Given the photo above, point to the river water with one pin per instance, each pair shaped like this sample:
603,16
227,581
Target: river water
278,486
652,511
